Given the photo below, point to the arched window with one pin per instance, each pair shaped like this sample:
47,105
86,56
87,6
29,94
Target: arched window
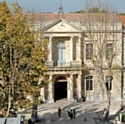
61,53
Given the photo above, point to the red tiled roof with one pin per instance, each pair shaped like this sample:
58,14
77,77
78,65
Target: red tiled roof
75,16
67,16
122,18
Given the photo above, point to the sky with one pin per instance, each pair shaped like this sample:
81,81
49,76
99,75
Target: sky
68,5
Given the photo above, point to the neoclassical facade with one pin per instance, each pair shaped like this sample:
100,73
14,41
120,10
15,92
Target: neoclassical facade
70,69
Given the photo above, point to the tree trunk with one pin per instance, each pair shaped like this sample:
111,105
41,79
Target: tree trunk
9,102
106,109
100,78
106,94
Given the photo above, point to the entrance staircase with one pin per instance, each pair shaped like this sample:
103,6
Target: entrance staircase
62,103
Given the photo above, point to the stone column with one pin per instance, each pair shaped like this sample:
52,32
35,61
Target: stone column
50,49
70,88
50,61
79,89
71,49
50,90
78,49
42,93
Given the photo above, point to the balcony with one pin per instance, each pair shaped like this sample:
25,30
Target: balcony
64,64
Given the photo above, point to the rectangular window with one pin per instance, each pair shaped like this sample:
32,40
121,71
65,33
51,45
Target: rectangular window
61,53
89,51
109,51
89,83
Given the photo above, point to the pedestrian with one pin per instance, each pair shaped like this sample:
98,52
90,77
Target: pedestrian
33,120
69,112
74,113
59,112
29,121
33,116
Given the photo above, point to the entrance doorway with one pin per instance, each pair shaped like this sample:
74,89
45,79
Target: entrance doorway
60,89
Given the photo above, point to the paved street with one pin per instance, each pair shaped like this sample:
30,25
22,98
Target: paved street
49,112
51,115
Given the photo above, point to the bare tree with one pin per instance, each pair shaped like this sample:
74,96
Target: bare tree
103,30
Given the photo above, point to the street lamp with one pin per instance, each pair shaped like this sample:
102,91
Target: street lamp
85,118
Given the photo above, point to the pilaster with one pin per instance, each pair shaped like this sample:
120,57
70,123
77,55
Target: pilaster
71,49
78,55
77,62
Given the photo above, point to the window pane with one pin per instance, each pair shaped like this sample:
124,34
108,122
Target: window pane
89,51
89,83
63,54
61,51
109,51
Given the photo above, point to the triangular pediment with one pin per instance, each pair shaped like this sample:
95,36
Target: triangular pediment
60,25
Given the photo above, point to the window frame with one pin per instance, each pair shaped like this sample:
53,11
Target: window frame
61,53
91,80
109,51
89,51
106,83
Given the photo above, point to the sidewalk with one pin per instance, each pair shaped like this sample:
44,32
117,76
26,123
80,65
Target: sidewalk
51,116
49,112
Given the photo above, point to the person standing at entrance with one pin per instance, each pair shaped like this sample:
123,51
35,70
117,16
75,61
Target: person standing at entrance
71,115
59,112
69,112
74,113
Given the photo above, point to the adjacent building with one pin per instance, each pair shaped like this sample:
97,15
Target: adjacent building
122,19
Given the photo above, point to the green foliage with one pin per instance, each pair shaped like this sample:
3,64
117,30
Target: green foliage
22,58
122,14
96,10
123,117
91,10
79,11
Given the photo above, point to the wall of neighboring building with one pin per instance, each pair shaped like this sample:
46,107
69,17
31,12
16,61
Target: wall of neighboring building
122,19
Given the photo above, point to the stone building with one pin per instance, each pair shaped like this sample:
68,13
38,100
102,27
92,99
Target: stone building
71,71
122,19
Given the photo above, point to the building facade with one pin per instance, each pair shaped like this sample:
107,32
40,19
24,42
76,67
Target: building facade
71,46
122,19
